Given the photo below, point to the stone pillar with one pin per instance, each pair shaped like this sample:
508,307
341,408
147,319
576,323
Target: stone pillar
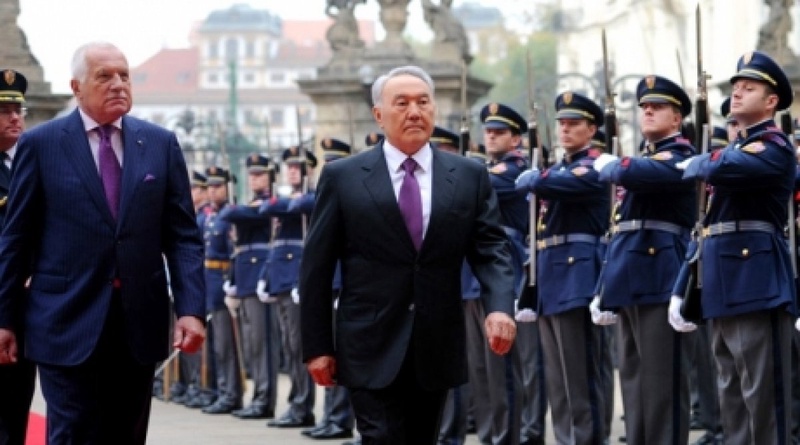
15,54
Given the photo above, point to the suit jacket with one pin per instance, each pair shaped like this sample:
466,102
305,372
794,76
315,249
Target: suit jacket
393,296
60,231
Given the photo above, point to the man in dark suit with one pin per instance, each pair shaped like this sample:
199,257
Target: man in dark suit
17,381
401,218
99,213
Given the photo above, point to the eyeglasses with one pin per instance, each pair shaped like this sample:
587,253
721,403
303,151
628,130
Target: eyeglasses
8,111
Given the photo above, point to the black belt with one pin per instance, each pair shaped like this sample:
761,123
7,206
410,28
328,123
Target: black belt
648,224
724,227
556,240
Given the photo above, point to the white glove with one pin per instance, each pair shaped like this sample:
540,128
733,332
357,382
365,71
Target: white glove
230,290
797,324
685,163
233,304
295,296
676,319
603,160
261,292
526,315
601,318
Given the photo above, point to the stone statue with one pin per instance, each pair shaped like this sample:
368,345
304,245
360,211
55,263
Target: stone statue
447,29
343,33
774,33
394,15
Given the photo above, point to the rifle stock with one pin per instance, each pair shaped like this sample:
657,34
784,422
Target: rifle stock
533,153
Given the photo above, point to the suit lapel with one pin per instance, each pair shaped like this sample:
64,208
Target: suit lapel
76,148
132,152
379,185
443,189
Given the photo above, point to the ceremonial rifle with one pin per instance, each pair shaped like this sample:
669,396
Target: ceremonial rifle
701,103
463,140
610,118
787,128
533,155
691,309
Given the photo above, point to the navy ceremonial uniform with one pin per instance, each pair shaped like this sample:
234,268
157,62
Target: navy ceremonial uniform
218,241
571,243
496,381
259,330
282,272
644,256
748,286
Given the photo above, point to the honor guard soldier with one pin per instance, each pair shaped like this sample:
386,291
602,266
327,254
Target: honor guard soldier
282,272
496,381
17,381
571,243
337,420
645,253
202,386
444,139
747,274
218,239
259,333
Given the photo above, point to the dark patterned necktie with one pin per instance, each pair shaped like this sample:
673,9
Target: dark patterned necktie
110,170
410,201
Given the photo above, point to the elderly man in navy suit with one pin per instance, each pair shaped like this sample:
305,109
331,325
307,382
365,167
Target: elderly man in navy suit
100,204
401,218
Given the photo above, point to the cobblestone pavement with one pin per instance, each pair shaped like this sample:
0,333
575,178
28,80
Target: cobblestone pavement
173,424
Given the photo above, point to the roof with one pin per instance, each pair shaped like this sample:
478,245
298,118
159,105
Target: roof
173,70
242,17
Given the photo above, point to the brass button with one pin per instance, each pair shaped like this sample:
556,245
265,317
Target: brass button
289,256
253,260
542,227
617,217
745,252
570,260
651,250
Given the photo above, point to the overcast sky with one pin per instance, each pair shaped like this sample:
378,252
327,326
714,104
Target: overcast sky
55,28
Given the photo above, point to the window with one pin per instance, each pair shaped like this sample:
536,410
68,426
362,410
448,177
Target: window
277,77
250,49
213,53
213,78
276,118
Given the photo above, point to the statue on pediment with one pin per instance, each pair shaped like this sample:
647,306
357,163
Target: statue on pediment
343,33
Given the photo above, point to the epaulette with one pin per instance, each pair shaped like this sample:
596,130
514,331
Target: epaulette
594,153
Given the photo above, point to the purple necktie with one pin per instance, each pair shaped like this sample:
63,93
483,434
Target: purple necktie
110,170
410,201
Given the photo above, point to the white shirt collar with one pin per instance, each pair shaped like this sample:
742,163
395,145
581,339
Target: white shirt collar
395,157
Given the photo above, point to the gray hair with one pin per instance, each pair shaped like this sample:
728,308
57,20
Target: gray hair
411,70
80,67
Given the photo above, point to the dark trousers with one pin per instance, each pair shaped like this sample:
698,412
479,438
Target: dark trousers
402,413
83,409
17,384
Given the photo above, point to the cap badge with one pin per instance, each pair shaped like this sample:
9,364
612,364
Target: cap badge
567,97
650,81
494,108
327,142
747,58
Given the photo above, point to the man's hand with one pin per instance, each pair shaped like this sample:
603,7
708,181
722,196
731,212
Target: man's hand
295,296
500,332
229,289
603,160
526,316
8,347
601,318
796,326
263,295
675,318
188,335
323,370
